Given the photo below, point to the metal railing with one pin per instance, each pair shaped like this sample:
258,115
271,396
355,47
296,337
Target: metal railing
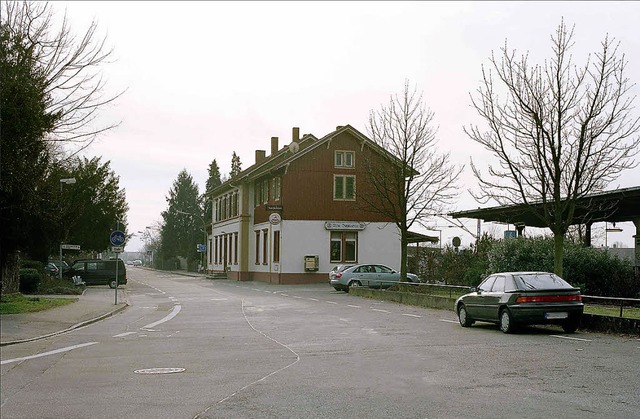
378,283
616,300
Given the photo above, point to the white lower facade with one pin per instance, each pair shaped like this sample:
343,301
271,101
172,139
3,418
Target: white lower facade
307,250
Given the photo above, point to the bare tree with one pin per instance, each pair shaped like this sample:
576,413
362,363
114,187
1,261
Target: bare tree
561,132
421,181
70,66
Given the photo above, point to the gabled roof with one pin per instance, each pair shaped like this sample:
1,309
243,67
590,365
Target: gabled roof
283,157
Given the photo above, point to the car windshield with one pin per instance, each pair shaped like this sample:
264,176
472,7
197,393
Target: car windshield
540,281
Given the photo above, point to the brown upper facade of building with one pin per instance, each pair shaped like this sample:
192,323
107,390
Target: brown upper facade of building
311,178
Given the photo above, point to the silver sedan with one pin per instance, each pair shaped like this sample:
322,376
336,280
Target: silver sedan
343,277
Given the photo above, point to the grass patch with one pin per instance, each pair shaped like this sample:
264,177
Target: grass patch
612,311
19,303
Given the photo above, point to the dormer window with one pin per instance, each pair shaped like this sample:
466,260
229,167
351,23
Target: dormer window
344,159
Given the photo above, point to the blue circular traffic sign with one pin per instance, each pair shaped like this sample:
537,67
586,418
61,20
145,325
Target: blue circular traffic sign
117,238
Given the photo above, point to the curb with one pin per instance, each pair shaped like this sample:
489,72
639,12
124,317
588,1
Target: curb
75,326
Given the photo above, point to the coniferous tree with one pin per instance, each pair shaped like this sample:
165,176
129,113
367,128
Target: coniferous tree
182,224
213,181
236,166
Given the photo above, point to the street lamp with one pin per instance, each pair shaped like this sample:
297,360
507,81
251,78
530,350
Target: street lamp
608,230
66,181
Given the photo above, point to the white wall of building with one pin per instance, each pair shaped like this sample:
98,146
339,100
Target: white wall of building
378,242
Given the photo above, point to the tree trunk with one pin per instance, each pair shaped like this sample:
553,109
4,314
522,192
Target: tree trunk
10,278
403,254
558,252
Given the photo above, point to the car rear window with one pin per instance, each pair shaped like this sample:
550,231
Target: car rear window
543,281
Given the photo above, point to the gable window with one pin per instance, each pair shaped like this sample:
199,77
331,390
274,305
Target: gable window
344,188
344,246
344,159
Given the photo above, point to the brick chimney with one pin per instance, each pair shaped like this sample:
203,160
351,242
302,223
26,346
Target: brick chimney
295,134
274,145
260,155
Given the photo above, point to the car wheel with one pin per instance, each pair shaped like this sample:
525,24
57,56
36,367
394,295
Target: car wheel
570,326
354,284
463,317
507,325
112,284
337,288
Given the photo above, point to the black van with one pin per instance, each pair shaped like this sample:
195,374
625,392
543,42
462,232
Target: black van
99,272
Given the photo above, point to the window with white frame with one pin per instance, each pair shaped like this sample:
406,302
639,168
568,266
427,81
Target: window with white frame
276,188
344,188
344,246
257,247
265,247
344,159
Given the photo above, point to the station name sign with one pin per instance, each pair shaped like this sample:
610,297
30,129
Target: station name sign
274,207
344,225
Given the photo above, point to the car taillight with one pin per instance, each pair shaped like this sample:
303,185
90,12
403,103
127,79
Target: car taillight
339,275
548,298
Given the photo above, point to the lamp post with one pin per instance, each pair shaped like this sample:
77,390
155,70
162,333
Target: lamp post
608,230
67,181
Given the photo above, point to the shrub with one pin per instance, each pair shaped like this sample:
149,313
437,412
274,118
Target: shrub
31,264
55,286
594,271
29,280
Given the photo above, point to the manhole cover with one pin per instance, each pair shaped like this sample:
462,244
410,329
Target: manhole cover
159,371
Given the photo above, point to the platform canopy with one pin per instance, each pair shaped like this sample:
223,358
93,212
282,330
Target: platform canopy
612,206
413,237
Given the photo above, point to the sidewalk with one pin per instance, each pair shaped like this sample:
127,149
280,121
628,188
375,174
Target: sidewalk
96,303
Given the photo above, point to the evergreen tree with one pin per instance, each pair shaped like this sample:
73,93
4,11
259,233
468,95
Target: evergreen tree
236,166
182,225
212,182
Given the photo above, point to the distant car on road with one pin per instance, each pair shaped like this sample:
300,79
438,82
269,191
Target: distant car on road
511,299
137,262
343,277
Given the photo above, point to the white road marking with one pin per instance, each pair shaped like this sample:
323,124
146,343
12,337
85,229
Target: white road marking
448,321
219,299
567,337
121,335
296,296
352,306
314,299
382,311
411,315
331,302
285,295
57,351
174,312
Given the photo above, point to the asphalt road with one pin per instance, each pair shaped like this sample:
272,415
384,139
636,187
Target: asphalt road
189,347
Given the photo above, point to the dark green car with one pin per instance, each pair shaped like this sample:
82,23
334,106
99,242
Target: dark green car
98,272
516,298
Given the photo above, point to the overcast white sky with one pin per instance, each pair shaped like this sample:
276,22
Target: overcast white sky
206,79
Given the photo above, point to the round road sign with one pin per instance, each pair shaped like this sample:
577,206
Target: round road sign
117,238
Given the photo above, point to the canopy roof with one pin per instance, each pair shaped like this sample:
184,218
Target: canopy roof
612,206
